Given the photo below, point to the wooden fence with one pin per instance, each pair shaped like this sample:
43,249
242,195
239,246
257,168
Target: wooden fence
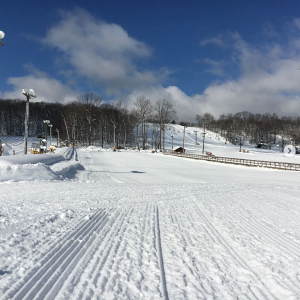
240,161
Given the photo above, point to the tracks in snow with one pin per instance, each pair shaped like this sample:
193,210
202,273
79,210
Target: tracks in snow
44,280
200,263
160,257
191,248
268,237
113,252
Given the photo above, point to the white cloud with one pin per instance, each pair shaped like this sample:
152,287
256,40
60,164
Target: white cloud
295,23
186,106
269,81
47,89
214,40
101,52
216,67
266,77
269,78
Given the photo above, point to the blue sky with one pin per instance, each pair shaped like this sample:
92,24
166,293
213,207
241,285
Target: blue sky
204,56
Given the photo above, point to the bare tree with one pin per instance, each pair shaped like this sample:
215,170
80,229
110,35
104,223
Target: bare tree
90,101
143,109
165,114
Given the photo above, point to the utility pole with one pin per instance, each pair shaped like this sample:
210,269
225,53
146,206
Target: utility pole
172,141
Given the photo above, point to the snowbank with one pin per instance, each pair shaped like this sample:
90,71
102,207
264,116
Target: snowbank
27,172
47,159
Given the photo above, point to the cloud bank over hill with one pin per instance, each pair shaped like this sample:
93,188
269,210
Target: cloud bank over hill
266,77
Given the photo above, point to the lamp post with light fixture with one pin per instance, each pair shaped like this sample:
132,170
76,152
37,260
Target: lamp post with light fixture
239,139
114,124
50,125
57,137
46,122
203,135
196,137
29,93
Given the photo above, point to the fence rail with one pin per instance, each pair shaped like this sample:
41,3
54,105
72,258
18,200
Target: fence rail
240,161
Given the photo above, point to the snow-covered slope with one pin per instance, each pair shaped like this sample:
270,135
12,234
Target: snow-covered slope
139,225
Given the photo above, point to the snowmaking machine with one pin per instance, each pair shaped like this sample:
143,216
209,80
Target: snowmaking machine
39,148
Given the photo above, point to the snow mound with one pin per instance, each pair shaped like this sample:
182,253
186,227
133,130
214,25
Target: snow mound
27,172
67,169
69,153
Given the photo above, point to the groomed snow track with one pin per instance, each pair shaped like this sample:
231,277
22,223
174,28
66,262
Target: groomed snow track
83,263
116,228
45,279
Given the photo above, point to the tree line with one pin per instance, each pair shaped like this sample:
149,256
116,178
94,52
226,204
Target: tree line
90,121
252,127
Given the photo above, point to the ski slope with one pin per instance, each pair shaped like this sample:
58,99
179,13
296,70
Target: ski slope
100,224
214,143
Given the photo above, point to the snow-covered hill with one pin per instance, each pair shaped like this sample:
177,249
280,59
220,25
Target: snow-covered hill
99,224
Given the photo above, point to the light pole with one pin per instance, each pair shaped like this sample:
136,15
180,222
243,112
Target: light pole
240,143
172,141
2,35
102,135
183,137
50,125
203,135
29,93
195,137
46,122
240,139
114,123
57,137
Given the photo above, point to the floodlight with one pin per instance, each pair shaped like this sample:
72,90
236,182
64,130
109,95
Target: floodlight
29,92
2,34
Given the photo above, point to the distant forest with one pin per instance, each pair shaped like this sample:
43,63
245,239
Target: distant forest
89,120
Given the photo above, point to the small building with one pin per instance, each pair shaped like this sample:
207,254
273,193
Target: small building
179,150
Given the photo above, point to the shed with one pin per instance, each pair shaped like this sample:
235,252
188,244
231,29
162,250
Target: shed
178,149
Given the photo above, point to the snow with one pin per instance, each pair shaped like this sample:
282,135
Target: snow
98,224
